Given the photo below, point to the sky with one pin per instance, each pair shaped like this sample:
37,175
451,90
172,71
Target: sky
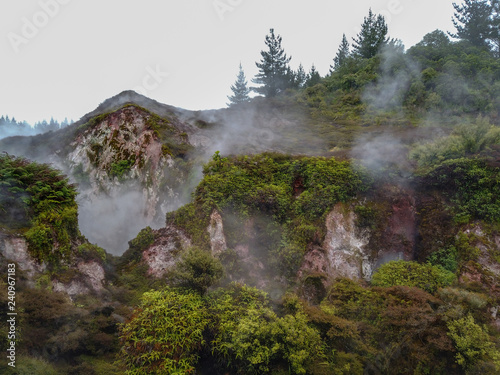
62,58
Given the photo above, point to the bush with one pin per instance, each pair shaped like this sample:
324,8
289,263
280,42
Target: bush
197,270
41,195
423,276
164,334
472,342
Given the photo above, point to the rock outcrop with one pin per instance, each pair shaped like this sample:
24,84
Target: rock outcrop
163,254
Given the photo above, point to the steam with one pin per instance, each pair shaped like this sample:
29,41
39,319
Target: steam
383,154
111,221
397,72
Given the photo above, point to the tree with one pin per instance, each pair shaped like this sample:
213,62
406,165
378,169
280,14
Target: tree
300,77
372,36
313,77
273,68
240,90
495,26
197,270
342,54
473,23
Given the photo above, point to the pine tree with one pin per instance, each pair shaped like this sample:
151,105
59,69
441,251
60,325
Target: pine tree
273,68
300,77
473,22
495,27
342,54
240,90
313,77
372,36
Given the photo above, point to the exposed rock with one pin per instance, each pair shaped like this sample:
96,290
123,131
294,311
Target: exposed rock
216,231
94,274
72,289
401,229
163,254
15,249
345,245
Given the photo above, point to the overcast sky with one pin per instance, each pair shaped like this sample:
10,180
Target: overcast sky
62,58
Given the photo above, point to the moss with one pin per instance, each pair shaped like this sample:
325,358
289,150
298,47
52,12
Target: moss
49,202
121,167
89,251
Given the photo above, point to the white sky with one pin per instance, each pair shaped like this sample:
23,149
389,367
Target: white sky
81,52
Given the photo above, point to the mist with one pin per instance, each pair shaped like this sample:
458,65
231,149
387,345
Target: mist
113,220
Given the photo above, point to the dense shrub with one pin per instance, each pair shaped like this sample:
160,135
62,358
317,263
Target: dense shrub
41,198
164,334
197,270
424,276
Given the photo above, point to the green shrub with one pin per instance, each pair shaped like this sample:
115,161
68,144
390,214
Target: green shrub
197,270
472,342
119,168
164,334
144,239
41,195
89,251
423,276
472,186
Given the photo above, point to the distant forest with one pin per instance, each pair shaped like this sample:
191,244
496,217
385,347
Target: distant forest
10,126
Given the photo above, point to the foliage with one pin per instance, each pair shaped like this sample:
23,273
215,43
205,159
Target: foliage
471,185
144,239
252,339
286,198
473,21
197,270
119,168
240,90
472,342
465,140
342,54
424,276
264,183
372,36
90,251
38,196
272,68
447,258
164,334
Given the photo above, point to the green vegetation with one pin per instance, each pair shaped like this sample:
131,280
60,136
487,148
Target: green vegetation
197,270
121,167
288,197
424,276
164,334
236,325
40,199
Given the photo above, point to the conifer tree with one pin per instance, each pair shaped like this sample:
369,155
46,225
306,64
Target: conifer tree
300,77
342,54
313,77
274,72
473,22
240,90
495,27
372,36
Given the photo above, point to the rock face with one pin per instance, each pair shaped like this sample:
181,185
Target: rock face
349,250
216,232
125,170
89,278
163,254
124,146
345,245
15,249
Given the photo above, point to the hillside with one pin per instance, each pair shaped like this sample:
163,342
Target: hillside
349,224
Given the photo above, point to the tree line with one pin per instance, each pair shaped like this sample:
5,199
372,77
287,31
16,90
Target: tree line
477,24
10,126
